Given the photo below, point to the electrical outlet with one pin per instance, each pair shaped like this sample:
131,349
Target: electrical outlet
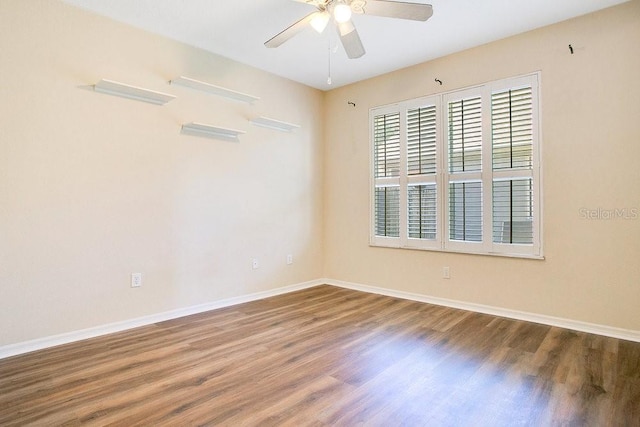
136,280
289,259
446,273
255,264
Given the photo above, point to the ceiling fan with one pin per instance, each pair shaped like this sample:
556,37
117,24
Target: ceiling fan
341,10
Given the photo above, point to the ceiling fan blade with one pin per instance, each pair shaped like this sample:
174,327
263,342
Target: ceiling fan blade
395,9
289,32
350,40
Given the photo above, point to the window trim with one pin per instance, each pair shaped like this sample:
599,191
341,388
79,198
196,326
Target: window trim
441,178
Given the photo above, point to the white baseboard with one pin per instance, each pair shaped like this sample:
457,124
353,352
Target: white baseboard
47,342
592,328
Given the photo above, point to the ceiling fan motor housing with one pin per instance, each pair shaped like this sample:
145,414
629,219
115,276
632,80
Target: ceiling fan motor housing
342,10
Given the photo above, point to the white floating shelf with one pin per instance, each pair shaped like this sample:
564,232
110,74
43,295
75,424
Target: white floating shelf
213,89
209,131
268,123
110,87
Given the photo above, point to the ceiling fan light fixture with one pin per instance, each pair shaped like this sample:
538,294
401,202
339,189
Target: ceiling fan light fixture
345,28
342,12
319,21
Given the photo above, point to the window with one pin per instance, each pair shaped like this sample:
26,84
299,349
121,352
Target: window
422,212
386,130
459,171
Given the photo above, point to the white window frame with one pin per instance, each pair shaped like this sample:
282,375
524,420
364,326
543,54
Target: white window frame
442,177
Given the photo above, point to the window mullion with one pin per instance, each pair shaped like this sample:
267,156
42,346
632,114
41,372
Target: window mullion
443,185
487,171
536,167
404,228
441,142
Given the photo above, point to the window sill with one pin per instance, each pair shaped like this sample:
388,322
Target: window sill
491,254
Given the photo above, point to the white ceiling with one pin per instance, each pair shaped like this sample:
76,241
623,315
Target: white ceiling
237,29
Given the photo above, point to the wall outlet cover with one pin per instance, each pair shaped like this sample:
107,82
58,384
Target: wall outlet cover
136,280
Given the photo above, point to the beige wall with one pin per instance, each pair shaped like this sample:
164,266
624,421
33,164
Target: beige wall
591,159
95,187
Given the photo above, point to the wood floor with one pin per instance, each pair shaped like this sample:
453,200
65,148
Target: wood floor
329,356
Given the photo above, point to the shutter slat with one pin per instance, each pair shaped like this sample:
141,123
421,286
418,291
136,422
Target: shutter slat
422,211
387,211
465,211
421,140
386,134
512,129
513,211
465,135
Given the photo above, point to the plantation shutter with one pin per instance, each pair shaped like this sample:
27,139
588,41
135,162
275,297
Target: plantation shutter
465,211
386,136
513,211
512,149
387,215
421,141
464,166
465,135
421,170
512,129
422,207
387,145
459,171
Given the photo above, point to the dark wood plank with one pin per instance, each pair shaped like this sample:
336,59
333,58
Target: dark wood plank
329,356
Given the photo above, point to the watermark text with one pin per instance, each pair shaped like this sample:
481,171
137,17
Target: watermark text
602,214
